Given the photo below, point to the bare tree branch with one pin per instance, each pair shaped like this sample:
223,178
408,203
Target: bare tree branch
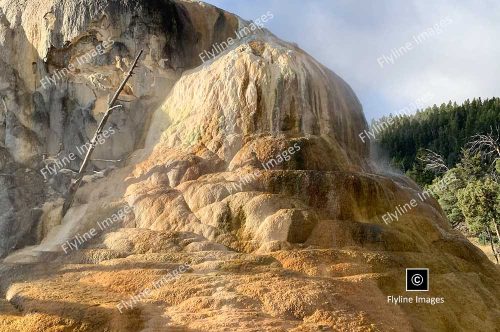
487,145
434,162
108,160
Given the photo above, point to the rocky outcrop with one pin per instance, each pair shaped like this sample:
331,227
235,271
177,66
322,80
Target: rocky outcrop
55,90
247,167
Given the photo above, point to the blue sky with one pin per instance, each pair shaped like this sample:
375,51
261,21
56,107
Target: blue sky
458,58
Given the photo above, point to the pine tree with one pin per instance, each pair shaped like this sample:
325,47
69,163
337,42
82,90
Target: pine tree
479,202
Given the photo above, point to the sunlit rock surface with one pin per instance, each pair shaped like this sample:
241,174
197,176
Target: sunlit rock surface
247,167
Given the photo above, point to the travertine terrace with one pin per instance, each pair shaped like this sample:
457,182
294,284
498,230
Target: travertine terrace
272,244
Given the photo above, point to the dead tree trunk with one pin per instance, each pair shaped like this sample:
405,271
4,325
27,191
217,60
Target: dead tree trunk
491,243
76,184
498,234
496,230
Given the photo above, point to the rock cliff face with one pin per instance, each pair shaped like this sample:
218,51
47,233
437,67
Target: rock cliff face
49,111
247,167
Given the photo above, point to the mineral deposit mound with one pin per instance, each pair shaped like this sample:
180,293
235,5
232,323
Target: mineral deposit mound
229,193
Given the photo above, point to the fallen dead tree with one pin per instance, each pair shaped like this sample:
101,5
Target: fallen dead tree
111,107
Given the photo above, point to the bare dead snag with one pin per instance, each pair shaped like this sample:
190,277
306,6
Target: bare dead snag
433,162
486,144
490,237
76,184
